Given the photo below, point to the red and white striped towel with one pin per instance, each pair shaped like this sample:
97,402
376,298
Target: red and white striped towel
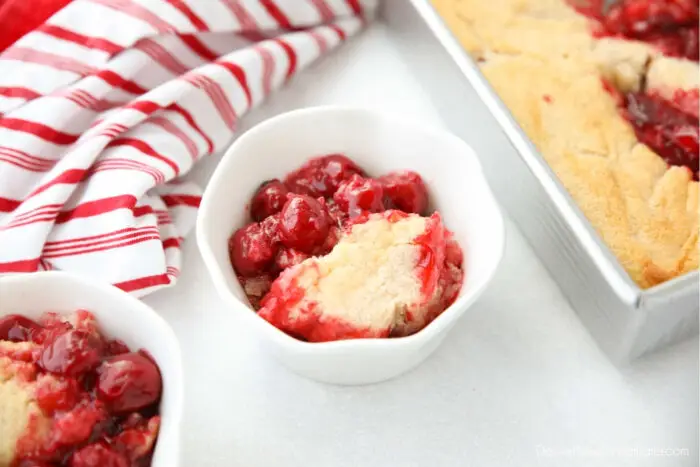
109,103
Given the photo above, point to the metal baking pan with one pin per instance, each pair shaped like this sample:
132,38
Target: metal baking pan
627,322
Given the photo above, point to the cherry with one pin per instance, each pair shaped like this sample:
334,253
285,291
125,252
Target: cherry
321,176
358,194
49,334
304,223
71,354
53,325
98,455
56,393
116,347
76,426
128,382
288,257
406,191
137,439
268,200
665,128
271,226
251,250
335,169
17,328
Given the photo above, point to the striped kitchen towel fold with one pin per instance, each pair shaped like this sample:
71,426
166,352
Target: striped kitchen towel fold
105,107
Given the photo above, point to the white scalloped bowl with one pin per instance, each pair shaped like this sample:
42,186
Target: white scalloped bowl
119,315
379,143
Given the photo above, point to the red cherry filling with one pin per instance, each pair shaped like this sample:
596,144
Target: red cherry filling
52,326
321,176
304,223
406,191
666,129
251,250
638,18
337,215
670,25
76,426
128,382
138,437
71,353
271,226
687,101
116,347
87,417
54,394
268,200
17,328
358,194
98,454
321,198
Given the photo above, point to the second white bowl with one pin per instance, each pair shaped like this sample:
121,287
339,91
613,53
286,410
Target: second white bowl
380,144
119,315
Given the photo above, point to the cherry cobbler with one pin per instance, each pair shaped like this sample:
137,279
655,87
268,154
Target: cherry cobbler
71,397
608,92
332,253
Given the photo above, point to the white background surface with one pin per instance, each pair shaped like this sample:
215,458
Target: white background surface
519,382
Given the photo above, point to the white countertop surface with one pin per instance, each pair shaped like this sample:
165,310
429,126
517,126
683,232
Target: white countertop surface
519,382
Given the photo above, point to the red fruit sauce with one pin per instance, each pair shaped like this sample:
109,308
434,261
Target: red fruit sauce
320,198
101,399
430,257
666,126
324,196
669,25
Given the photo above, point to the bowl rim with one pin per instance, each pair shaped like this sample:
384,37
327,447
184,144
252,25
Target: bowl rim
175,414
425,335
